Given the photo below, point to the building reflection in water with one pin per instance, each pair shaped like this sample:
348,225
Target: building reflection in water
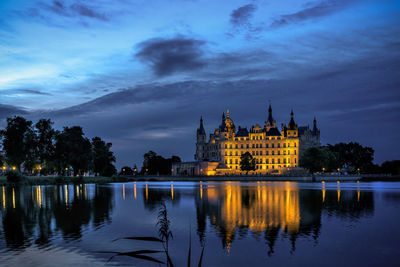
270,210
35,214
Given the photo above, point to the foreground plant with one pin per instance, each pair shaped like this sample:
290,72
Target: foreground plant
164,233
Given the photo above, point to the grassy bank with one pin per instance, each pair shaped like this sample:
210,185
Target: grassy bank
51,180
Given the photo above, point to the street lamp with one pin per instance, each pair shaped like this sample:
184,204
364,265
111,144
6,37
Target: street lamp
323,169
14,168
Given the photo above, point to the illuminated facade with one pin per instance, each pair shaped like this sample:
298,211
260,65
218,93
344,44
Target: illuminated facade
274,150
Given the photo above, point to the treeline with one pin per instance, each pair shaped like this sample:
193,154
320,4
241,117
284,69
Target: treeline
350,157
153,164
39,148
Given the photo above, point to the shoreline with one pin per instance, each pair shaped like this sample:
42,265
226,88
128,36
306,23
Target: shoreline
54,180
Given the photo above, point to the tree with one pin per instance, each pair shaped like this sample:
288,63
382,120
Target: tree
156,164
391,167
247,162
126,170
103,158
73,149
353,155
316,158
17,141
45,141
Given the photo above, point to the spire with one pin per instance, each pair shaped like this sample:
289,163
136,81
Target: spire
270,118
315,129
227,114
201,128
223,116
292,125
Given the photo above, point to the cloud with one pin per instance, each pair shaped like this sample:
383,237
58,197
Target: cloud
33,92
168,56
76,9
242,15
320,9
9,110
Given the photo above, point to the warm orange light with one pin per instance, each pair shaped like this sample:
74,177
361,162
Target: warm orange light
14,168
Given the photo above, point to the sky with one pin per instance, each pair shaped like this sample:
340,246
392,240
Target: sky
140,74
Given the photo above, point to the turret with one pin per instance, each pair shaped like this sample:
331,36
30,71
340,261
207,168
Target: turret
292,126
270,123
201,141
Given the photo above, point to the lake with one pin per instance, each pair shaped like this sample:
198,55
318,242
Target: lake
237,224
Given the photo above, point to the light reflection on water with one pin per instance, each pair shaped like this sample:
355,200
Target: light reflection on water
277,223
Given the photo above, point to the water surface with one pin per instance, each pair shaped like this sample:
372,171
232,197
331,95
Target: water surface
238,224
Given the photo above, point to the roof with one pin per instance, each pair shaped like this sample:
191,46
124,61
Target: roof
242,132
273,132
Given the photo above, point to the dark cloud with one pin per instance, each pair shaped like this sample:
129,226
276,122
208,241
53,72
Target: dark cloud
8,111
33,92
168,56
320,9
242,15
76,9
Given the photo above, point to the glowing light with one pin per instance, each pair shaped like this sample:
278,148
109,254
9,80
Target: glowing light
134,190
172,190
147,192
4,199
14,168
123,191
13,198
201,190
66,194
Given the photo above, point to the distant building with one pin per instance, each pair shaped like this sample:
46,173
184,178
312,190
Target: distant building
274,150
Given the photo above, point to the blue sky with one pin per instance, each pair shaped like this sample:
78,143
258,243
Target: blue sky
334,59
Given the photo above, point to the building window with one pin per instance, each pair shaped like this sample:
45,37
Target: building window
236,161
288,160
295,152
231,153
279,145
267,153
257,153
295,145
256,145
226,146
272,145
261,153
284,144
241,146
253,146
279,152
230,146
267,161
279,161
272,161
266,146
272,152
252,152
284,161
236,153
236,146
247,145
295,160
230,161
226,153
288,152
284,152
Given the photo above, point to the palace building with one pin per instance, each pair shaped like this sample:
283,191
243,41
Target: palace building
275,150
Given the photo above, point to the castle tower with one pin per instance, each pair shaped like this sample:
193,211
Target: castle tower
200,142
292,130
270,123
